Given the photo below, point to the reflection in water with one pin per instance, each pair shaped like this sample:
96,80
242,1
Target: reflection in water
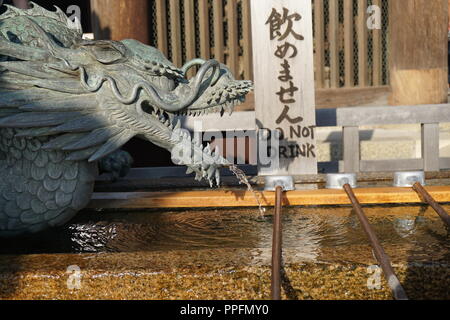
308,233
405,227
92,237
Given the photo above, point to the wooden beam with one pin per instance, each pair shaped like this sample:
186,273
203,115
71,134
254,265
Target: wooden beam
241,198
169,178
203,12
377,52
348,97
118,20
247,40
418,52
219,53
189,28
233,38
363,73
189,32
319,43
333,38
361,116
175,32
337,98
350,116
349,49
161,26
391,165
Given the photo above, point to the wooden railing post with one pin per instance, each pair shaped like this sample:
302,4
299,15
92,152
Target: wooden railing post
430,146
350,137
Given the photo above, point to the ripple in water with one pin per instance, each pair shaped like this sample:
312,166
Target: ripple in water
308,233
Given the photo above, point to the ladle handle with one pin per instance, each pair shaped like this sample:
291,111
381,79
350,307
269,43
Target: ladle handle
276,246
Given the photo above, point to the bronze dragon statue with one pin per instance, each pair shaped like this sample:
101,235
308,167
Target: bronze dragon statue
67,104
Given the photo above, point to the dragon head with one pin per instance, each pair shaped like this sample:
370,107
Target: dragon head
93,96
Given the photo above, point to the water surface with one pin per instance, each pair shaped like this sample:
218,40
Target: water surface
408,233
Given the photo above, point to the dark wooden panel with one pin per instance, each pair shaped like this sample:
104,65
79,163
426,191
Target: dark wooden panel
118,20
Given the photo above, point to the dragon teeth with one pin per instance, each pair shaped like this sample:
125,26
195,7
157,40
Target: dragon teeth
189,170
218,178
196,140
211,171
216,152
229,108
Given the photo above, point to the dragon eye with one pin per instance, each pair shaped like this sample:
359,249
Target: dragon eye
107,52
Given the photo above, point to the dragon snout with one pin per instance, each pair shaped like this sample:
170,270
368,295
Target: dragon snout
186,93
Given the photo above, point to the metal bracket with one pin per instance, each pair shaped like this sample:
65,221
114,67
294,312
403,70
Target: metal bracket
338,180
272,182
408,178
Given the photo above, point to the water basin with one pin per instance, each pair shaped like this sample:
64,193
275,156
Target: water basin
226,253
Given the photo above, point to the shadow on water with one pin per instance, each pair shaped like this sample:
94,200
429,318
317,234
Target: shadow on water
429,280
9,278
287,286
419,249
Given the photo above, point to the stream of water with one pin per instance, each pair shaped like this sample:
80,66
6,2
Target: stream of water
240,175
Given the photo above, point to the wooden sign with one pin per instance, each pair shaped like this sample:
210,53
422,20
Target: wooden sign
284,83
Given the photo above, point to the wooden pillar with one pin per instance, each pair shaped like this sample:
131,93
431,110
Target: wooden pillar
418,40
118,20
284,84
